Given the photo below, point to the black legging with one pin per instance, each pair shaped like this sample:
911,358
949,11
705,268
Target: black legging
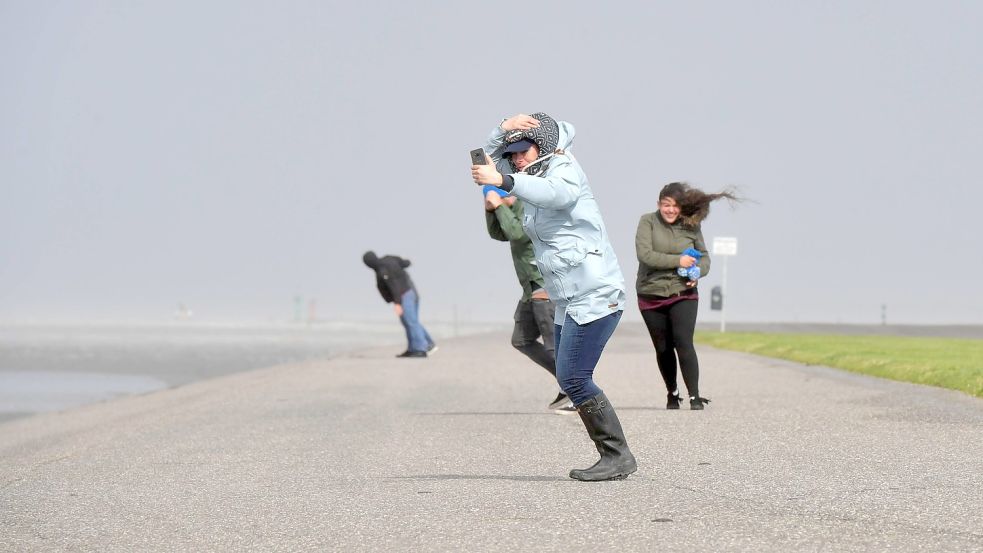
671,329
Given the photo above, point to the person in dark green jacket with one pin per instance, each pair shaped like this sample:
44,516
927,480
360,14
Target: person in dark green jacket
667,300
535,312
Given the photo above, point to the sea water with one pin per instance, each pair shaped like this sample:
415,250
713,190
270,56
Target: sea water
55,367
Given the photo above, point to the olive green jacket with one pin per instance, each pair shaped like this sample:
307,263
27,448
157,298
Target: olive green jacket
505,224
658,246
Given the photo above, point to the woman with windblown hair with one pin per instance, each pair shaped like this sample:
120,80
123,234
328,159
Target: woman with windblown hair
672,257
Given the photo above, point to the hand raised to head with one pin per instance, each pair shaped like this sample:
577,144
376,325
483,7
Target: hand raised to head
520,122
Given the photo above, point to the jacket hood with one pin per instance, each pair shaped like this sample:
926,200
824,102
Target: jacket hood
551,138
370,259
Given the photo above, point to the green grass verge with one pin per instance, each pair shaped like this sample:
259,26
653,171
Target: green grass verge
945,362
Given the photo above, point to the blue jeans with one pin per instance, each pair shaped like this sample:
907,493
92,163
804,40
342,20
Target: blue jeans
578,349
417,337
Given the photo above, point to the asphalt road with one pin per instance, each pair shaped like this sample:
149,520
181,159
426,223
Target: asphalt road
366,452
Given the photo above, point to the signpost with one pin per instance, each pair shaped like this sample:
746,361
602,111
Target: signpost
725,247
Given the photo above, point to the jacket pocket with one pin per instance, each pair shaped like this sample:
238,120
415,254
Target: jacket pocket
571,258
570,272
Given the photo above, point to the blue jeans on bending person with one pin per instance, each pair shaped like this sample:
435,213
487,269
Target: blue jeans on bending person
578,348
417,337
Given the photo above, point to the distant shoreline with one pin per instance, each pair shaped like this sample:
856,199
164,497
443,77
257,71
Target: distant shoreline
58,366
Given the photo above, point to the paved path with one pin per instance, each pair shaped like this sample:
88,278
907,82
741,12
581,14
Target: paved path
369,453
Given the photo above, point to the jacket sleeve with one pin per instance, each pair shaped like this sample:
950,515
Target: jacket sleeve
509,223
494,227
494,146
646,254
384,290
700,245
559,189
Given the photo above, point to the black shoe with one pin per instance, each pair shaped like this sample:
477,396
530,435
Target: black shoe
560,401
604,429
409,353
432,349
566,408
672,400
696,403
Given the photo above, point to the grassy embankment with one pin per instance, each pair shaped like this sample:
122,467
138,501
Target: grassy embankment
945,362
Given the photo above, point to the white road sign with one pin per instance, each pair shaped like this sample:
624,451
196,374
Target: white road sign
724,246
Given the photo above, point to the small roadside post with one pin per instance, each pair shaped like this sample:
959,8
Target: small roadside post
724,246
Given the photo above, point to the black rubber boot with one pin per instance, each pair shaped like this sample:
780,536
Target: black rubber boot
604,429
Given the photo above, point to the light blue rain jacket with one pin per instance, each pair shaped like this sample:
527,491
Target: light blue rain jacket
568,235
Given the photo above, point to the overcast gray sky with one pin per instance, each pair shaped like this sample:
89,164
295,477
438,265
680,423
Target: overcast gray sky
233,155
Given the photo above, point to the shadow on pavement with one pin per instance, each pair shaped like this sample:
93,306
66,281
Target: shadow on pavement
467,413
482,477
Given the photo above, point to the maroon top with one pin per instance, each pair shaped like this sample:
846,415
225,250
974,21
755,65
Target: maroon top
646,302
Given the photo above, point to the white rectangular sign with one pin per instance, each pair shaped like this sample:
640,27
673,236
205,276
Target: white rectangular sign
724,246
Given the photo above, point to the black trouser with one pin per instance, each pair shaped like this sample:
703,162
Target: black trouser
534,318
671,329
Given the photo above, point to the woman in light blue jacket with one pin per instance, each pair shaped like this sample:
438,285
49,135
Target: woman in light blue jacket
529,156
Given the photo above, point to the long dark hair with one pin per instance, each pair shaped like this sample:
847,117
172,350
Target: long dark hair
694,204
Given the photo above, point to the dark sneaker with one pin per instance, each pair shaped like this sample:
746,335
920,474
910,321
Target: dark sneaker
566,408
432,349
672,401
696,403
560,400
409,353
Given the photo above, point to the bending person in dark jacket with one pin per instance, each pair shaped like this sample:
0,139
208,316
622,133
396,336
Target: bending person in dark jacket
535,312
396,287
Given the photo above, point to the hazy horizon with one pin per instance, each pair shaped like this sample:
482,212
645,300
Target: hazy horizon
232,156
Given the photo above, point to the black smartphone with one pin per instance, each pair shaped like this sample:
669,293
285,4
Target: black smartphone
478,157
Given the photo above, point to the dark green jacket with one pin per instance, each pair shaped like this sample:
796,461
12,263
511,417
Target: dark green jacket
658,246
505,224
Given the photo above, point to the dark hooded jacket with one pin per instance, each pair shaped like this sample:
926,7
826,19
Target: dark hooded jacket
390,275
